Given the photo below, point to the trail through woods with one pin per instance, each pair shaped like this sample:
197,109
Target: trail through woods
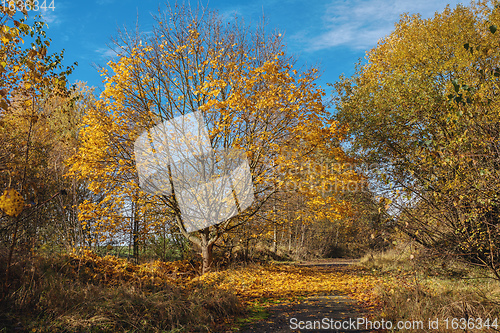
327,310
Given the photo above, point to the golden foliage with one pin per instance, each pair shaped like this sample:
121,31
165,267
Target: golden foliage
250,283
251,98
288,282
424,107
11,202
110,270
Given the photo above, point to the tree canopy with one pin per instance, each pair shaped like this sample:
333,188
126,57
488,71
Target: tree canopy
424,108
249,93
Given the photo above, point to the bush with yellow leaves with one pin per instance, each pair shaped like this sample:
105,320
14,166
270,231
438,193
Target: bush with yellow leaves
11,202
110,270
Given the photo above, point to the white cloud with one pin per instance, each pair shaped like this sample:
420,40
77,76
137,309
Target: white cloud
230,13
49,16
359,24
252,9
107,52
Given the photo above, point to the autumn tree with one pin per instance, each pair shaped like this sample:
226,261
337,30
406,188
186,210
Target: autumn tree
423,109
11,36
247,89
36,128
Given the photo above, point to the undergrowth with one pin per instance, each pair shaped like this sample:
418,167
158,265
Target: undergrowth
87,293
423,286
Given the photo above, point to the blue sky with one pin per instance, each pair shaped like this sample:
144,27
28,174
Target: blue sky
330,34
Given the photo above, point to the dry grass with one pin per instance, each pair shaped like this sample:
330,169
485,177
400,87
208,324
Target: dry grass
422,286
68,293
88,293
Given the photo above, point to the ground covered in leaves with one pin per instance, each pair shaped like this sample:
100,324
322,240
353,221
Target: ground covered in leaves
284,294
84,292
287,282
87,292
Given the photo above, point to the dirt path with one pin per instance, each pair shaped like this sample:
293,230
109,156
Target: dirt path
335,313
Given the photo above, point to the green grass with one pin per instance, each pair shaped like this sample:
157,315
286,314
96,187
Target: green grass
254,313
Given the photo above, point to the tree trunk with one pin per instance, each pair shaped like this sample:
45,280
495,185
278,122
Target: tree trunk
203,241
275,240
290,239
275,246
303,236
135,233
206,250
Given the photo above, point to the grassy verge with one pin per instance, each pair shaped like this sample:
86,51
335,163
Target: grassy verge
88,293
420,287
256,312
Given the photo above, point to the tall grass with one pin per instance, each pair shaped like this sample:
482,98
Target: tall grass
47,295
422,287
